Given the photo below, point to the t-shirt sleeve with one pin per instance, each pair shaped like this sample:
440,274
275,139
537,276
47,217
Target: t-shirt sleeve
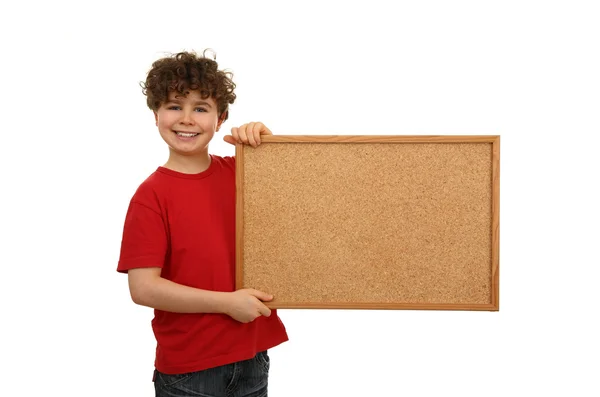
144,242
230,160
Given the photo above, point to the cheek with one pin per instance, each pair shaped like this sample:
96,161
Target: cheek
164,123
208,122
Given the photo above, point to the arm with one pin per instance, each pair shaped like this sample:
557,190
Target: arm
148,288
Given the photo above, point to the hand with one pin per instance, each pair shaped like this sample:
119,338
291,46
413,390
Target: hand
245,305
248,134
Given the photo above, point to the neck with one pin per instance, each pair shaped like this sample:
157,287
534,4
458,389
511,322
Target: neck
188,164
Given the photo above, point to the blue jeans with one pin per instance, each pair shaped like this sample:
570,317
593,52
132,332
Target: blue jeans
248,378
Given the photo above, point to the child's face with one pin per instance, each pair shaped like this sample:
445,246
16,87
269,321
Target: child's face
182,116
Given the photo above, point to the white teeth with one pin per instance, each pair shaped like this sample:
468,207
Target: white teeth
185,135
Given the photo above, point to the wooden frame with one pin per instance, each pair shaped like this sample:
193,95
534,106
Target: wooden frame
429,298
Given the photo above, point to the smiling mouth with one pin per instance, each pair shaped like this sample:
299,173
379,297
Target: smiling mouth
187,134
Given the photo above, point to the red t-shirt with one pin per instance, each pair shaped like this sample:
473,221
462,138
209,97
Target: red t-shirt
185,224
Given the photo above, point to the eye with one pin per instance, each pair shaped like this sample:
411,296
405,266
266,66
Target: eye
174,108
200,110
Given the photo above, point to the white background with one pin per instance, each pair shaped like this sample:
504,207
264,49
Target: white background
77,139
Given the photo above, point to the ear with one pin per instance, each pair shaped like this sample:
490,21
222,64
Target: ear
222,119
155,117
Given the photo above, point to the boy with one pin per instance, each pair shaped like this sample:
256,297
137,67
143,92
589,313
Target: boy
178,244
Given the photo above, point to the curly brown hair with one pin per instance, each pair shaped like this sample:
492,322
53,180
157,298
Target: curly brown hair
187,71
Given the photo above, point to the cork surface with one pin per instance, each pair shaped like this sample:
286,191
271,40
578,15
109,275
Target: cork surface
367,223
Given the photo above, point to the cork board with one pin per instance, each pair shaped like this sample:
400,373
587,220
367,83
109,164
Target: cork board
370,222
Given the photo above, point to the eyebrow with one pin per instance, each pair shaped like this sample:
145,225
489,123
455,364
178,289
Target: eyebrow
196,103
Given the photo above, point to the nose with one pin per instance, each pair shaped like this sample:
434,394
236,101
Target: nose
186,118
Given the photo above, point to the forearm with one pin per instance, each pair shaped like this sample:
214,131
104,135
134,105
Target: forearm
162,294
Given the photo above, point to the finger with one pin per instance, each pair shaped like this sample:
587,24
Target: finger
252,134
263,296
235,134
229,139
243,137
264,310
257,130
265,130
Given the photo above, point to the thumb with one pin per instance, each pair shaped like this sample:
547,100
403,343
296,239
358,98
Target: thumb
263,296
264,310
229,139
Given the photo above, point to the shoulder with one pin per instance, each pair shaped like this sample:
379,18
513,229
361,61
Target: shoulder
227,162
223,167
149,185
148,192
